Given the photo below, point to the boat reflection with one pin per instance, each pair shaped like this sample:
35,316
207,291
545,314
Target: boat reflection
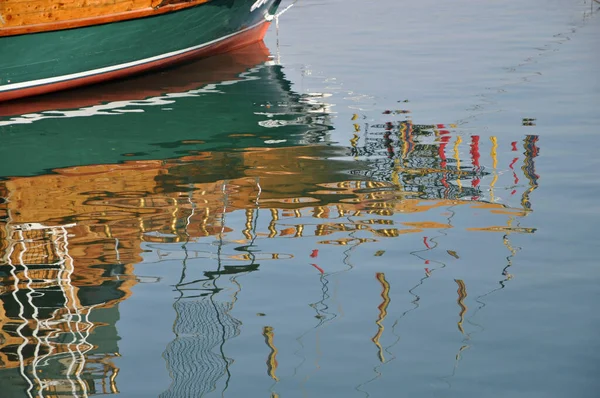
232,101
69,239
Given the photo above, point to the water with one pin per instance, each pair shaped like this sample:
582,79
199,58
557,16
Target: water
389,198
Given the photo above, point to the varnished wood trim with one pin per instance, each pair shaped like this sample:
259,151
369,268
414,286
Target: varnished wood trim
98,20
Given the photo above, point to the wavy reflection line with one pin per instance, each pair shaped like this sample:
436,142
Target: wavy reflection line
428,248
505,271
457,359
81,360
13,272
253,237
219,313
212,296
252,256
479,299
462,294
429,272
321,307
322,314
62,262
528,168
76,319
412,292
386,300
253,222
180,283
325,289
272,364
37,323
324,307
382,313
385,296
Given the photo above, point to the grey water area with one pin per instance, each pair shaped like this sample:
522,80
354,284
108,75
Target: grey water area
486,67
444,240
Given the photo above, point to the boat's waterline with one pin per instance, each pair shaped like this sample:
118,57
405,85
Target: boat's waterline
229,42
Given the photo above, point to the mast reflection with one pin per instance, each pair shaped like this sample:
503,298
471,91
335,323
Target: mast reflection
69,238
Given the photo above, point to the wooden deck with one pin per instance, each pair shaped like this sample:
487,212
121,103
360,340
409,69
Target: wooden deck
32,16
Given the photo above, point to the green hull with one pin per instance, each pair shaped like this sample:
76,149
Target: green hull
36,60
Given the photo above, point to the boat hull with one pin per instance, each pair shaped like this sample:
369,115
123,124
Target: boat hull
38,63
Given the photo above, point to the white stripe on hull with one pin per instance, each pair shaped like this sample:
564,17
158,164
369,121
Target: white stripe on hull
99,71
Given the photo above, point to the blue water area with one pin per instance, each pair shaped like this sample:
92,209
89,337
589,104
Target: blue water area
391,198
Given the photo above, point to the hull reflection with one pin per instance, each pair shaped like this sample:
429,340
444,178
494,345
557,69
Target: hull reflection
231,101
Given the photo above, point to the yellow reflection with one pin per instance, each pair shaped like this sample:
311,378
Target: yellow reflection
396,174
462,294
272,358
385,296
493,151
493,154
273,222
248,225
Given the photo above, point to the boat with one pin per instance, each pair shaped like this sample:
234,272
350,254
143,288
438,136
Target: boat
47,46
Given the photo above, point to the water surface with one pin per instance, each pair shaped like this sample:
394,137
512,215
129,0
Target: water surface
386,198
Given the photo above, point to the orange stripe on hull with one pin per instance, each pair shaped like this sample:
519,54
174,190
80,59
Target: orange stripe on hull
239,40
34,16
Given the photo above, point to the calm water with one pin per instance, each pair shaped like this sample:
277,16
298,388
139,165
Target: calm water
386,198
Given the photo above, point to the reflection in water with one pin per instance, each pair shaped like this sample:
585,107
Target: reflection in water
382,313
52,317
531,152
462,295
272,358
70,238
195,358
